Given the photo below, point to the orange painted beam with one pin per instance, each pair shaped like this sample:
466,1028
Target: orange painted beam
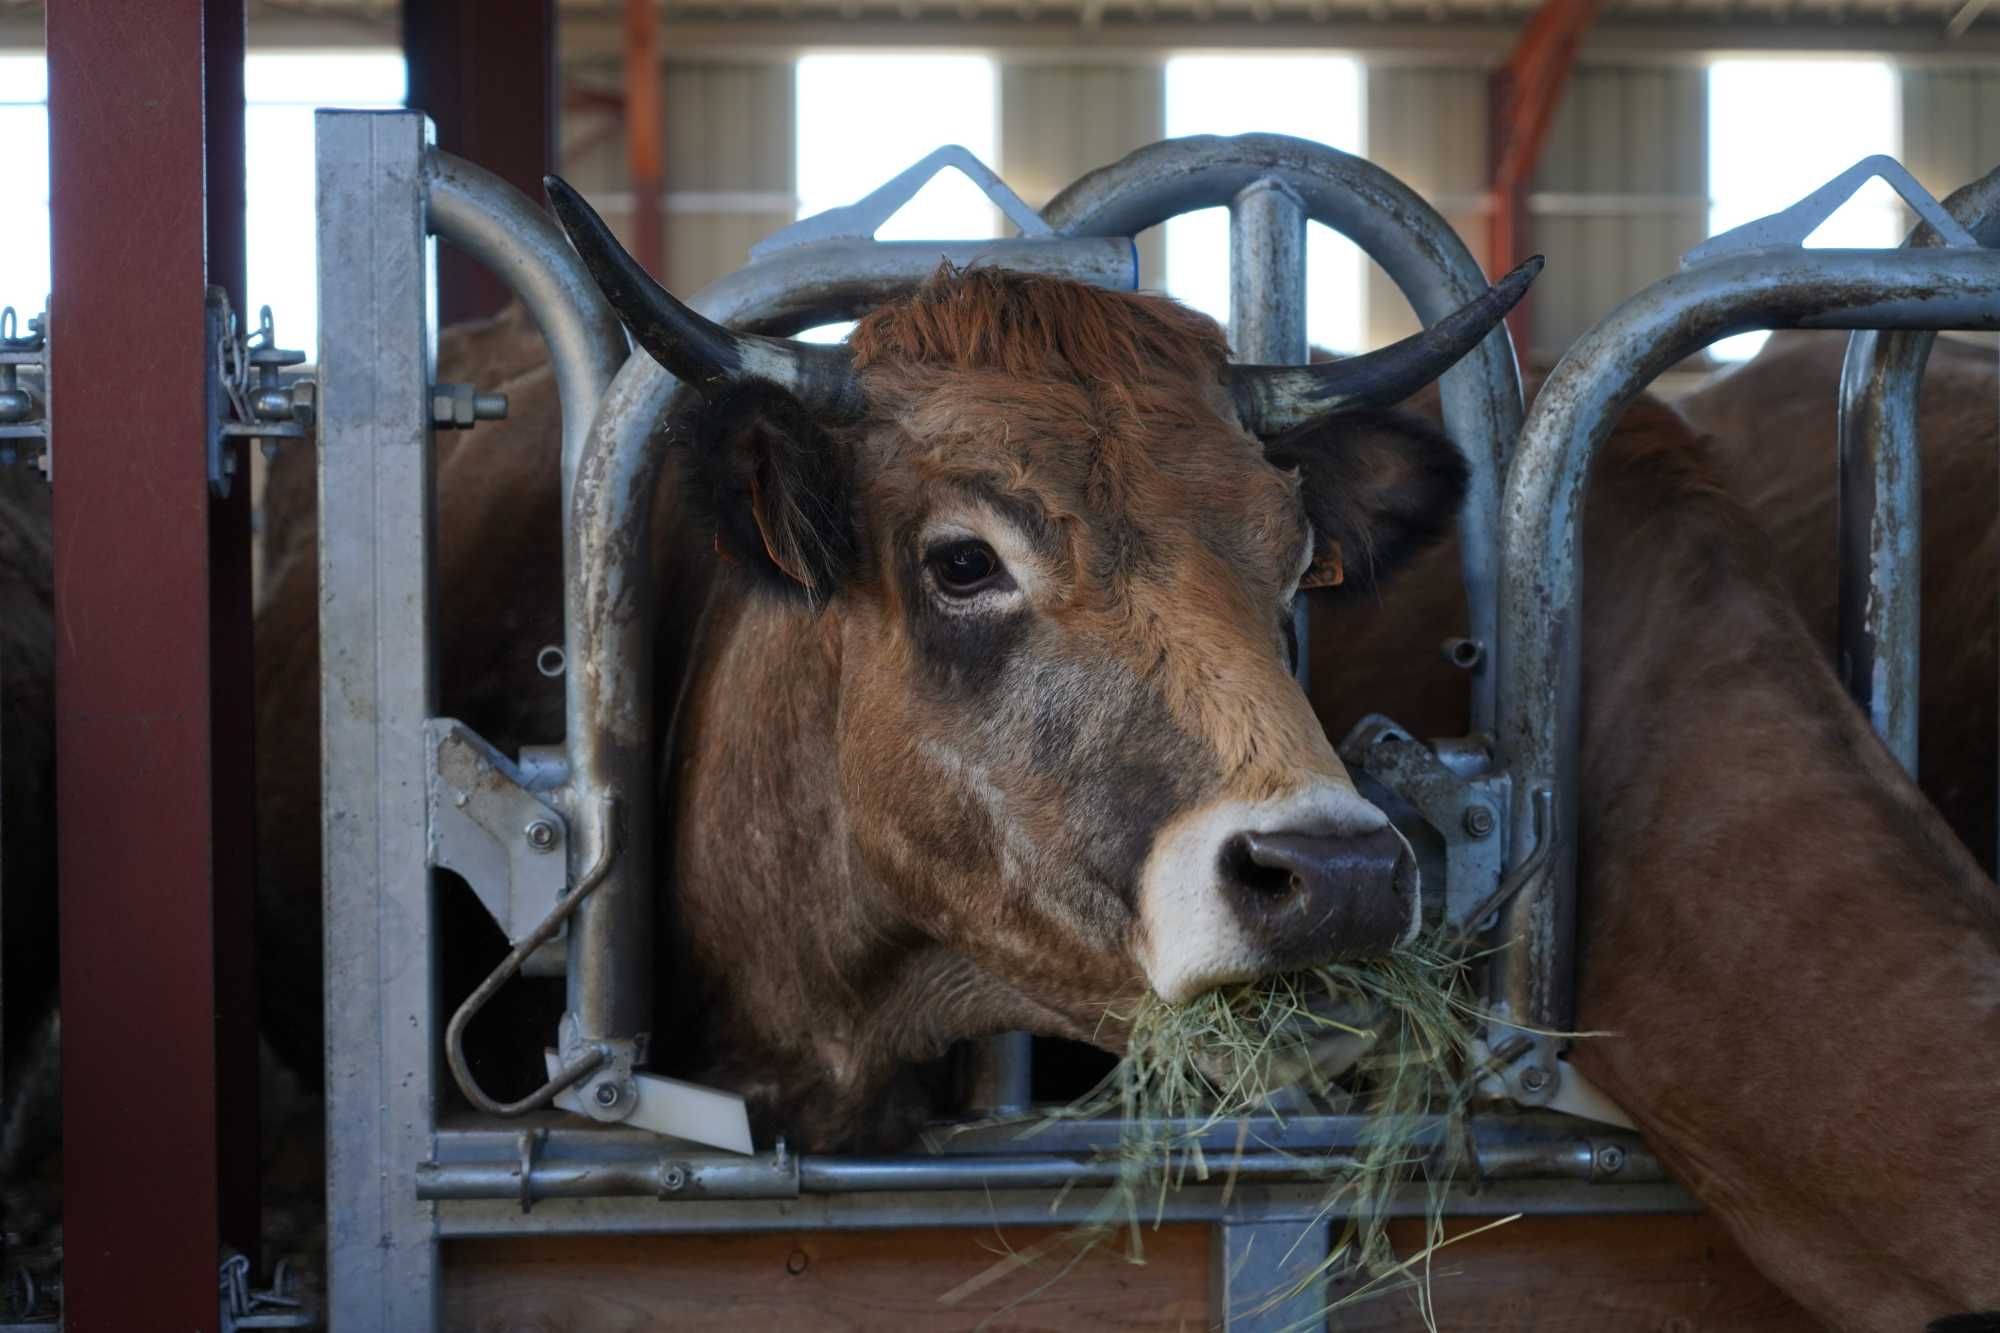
1525,94
643,156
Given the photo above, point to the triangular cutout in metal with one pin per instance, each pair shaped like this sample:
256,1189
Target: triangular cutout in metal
1791,226
860,220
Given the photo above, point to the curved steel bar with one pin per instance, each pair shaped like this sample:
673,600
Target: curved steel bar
504,230
1881,502
1395,228
1541,571
607,616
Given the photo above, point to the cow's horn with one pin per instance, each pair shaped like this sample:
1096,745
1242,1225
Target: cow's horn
701,353
1273,399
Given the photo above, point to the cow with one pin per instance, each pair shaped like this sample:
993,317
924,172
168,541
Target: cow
1797,959
828,552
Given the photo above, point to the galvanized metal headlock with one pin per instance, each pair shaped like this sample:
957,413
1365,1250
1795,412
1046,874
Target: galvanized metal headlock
24,428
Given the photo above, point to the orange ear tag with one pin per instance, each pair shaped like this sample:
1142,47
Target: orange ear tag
1326,570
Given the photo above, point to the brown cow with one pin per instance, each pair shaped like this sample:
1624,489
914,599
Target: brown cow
1728,784
1800,963
984,722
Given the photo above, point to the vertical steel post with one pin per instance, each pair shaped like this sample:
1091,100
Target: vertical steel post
1880,490
1881,503
1254,1266
145,143
376,693
1267,305
1262,1275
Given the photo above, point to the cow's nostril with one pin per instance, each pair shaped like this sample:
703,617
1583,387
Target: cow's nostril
1306,897
1264,876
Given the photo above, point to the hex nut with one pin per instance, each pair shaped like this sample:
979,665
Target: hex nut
542,836
1478,820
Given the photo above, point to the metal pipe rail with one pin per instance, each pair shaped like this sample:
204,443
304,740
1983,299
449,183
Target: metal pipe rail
1541,575
1881,502
534,1165
1395,228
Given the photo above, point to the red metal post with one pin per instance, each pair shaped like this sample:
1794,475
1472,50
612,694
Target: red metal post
485,72
643,153
151,729
1525,93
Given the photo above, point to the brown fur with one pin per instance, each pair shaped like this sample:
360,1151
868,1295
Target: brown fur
969,827
1799,963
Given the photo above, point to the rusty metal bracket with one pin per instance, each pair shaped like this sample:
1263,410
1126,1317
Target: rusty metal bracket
488,826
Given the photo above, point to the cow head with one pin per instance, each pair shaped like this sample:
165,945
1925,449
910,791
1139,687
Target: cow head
1057,539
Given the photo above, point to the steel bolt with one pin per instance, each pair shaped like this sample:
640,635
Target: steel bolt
1534,1078
1478,820
1611,1159
1465,654
796,1262
674,1179
541,836
607,1094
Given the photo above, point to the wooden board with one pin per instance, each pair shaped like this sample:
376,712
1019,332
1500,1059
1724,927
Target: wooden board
1549,1275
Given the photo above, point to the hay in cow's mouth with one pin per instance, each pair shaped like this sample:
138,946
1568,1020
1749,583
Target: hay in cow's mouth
1389,1039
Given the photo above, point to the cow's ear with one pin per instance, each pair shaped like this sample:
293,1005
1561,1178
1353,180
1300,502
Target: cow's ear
777,487
1378,486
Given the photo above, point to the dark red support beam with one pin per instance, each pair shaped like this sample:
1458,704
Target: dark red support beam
485,71
152,713
1525,94
643,154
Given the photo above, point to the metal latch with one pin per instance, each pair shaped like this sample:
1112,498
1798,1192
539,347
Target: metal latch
279,1307
1467,812
24,427
249,397
489,827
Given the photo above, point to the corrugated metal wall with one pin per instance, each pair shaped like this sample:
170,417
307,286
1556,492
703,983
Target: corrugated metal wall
1951,124
1058,121
1621,194
1428,127
729,176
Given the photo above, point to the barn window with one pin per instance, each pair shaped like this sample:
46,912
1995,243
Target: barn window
1313,97
863,118
1778,129
281,91
24,221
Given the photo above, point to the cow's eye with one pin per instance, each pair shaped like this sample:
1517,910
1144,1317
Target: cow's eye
965,567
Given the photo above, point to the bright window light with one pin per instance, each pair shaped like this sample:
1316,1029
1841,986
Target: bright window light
1779,129
856,129
282,89
1312,97
24,221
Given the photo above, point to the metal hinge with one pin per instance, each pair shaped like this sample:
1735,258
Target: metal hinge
281,1306
248,395
24,426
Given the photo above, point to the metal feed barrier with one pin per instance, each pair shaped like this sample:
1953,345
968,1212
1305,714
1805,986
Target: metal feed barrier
557,842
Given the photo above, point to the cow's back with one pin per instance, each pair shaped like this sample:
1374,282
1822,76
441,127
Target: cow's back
1774,422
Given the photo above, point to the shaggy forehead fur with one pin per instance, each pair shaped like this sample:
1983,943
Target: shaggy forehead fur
1097,422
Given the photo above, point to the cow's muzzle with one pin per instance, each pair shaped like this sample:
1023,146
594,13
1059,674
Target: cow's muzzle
1305,898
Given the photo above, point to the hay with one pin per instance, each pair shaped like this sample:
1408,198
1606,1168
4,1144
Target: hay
1388,1038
